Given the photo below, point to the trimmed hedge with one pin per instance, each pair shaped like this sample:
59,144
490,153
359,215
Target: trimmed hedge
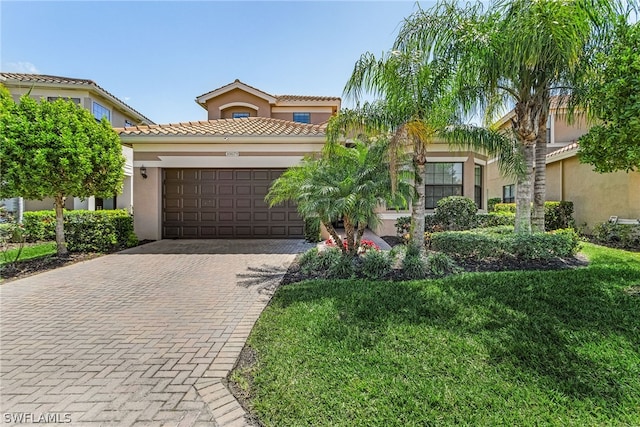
456,213
84,231
485,244
557,215
625,236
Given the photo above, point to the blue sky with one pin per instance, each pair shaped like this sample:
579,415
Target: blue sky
159,55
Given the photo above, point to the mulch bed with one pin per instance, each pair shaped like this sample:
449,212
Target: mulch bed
30,267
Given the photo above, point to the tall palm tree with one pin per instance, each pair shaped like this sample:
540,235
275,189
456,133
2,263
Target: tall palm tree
413,106
517,52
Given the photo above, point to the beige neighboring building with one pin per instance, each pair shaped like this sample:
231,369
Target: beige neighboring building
595,196
101,104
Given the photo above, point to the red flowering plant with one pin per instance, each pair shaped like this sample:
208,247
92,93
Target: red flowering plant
365,245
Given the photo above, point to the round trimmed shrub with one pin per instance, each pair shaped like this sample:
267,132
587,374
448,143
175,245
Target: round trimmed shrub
456,213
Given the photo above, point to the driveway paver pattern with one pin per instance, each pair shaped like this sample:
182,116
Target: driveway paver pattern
143,337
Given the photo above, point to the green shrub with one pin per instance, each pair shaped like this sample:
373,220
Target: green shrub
85,231
441,264
494,219
492,202
312,230
498,243
39,225
505,208
456,213
341,267
557,215
376,264
309,261
468,244
414,266
403,226
624,236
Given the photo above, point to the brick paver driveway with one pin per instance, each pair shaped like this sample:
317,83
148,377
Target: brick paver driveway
142,337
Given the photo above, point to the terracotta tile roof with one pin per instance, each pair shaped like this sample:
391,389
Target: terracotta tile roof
282,98
247,126
47,79
565,149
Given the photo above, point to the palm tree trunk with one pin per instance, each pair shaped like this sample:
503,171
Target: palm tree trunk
334,234
539,187
540,177
60,243
350,235
523,193
418,210
359,233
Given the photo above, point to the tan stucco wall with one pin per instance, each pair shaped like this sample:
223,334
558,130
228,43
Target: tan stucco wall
565,132
595,196
233,96
495,181
147,208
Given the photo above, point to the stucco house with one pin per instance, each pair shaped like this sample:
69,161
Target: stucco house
101,103
208,179
595,196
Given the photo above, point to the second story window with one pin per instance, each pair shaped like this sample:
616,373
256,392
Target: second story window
239,115
302,117
127,124
100,111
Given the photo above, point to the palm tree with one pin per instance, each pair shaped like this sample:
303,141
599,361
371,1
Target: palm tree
415,105
519,52
348,184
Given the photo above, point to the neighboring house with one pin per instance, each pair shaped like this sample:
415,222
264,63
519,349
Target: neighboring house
208,179
595,196
95,99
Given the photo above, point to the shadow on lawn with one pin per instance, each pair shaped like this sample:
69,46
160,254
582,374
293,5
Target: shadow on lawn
563,327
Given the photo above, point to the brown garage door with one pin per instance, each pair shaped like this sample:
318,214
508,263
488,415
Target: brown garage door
224,203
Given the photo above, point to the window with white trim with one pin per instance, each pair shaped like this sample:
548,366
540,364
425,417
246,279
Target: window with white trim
442,180
100,111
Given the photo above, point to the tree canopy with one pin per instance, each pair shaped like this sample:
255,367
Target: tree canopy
614,97
56,149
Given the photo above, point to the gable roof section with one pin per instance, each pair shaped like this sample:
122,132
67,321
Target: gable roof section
57,81
237,84
247,126
271,99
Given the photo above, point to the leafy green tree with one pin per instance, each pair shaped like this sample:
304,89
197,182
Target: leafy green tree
414,106
614,98
348,184
57,149
517,52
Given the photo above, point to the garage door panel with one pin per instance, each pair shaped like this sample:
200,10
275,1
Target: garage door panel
207,175
225,216
225,203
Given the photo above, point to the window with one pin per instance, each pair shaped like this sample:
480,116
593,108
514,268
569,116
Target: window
477,189
442,180
239,115
106,204
302,117
127,124
53,98
509,193
99,112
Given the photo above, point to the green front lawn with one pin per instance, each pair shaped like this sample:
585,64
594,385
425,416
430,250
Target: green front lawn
510,348
28,252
